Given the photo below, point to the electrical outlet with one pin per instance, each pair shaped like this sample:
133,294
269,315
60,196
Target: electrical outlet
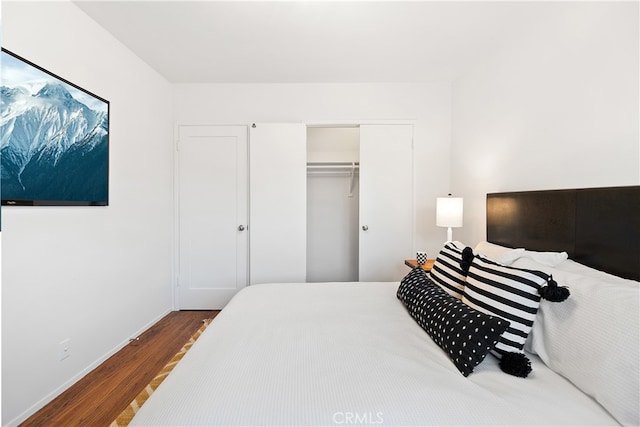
64,349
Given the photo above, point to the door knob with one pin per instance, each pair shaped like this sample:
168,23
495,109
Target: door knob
365,227
241,227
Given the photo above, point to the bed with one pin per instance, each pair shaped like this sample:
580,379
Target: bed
352,354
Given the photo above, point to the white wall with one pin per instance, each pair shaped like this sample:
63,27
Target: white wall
96,275
558,109
428,105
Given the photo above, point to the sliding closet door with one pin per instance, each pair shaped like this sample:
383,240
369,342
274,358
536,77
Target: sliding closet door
212,215
386,201
278,199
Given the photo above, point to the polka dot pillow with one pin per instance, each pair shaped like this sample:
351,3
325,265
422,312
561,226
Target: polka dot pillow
465,334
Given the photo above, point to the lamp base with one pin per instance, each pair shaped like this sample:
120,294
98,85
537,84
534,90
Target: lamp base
449,234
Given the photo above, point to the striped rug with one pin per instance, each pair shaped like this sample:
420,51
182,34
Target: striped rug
127,415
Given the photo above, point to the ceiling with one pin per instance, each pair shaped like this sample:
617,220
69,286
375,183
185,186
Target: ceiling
313,41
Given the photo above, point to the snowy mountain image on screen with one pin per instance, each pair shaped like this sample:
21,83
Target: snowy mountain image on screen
53,147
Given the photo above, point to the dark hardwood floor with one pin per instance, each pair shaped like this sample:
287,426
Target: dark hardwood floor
99,397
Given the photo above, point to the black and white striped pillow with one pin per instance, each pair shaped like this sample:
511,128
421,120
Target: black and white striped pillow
510,293
447,270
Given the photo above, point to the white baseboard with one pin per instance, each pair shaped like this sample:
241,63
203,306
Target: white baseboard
48,398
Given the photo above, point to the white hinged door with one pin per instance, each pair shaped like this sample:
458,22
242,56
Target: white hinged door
212,215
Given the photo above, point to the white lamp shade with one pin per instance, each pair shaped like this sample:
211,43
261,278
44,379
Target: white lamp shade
449,211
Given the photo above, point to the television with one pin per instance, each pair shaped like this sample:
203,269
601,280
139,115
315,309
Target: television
54,139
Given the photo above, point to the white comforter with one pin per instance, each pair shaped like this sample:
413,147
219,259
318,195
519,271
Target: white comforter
346,354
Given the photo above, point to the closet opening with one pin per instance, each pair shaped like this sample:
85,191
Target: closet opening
333,157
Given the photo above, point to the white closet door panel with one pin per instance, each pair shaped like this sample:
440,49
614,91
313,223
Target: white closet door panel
386,201
212,200
278,200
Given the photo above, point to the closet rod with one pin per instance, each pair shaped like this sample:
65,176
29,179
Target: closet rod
333,165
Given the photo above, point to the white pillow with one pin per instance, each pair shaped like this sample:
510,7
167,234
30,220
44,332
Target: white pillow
592,339
571,266
550,259
501,254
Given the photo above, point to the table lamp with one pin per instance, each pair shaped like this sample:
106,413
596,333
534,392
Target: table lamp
449,213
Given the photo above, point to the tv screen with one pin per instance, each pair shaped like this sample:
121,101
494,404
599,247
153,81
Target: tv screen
54,146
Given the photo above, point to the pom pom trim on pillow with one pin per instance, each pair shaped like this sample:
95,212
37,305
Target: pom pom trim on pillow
465,334
467,258
516,364
554,293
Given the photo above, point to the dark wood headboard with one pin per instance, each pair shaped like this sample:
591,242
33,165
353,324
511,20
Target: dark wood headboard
598,227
